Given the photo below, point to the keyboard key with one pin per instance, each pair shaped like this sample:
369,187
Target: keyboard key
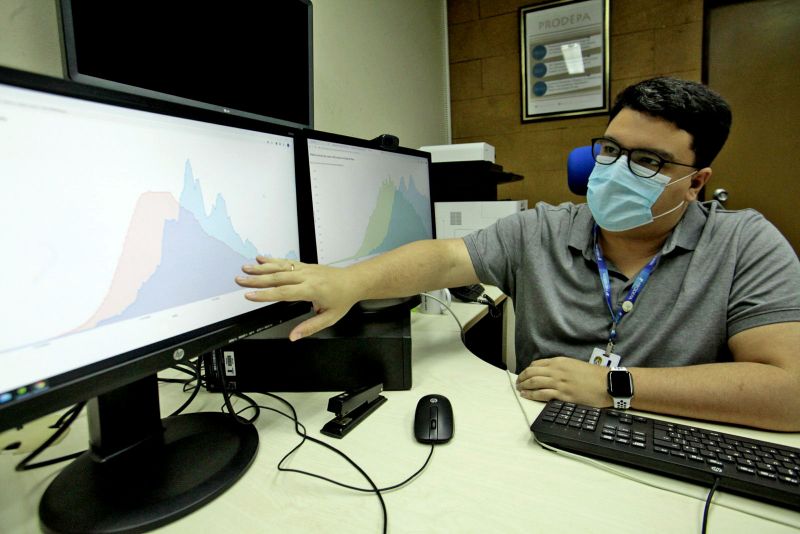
666,444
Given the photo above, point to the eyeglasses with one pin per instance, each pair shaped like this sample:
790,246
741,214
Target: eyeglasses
641,162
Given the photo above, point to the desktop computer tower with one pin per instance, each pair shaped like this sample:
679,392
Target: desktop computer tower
360,350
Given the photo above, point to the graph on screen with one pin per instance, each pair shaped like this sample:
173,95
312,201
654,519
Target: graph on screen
165,237
139,226
366,201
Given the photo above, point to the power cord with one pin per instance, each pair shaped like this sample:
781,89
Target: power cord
218,356
444,304
61,426
68,417
195,371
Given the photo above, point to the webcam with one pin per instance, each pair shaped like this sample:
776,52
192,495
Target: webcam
387,141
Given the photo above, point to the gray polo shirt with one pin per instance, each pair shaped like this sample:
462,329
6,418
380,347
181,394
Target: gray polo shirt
720,272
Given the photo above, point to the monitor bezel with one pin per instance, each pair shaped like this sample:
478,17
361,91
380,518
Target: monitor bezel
71,71
118,370
308,237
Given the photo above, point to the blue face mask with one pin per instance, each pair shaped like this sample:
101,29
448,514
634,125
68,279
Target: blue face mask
619,200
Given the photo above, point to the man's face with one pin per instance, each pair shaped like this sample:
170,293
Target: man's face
632,129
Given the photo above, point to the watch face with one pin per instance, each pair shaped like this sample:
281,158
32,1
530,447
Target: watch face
620,384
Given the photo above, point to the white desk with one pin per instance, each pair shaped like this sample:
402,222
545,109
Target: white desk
492,477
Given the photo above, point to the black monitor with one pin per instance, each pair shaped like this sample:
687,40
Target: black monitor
363,198
246,57
125,223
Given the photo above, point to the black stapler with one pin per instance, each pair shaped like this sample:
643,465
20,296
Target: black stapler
352,407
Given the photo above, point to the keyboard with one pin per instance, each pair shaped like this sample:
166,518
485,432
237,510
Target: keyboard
757,469
470,293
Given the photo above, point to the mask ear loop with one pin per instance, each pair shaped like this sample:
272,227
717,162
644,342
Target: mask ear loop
682,201
682,178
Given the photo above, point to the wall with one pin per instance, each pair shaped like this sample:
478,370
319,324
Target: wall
29,36
648,38
379,65
752,167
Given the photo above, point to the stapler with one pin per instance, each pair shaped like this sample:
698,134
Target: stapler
352,407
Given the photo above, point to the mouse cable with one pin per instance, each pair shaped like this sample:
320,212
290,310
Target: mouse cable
708,504
305,437
300,430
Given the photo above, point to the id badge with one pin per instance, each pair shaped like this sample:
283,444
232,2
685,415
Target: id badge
599,357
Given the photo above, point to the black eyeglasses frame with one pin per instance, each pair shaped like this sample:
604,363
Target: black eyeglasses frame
629,152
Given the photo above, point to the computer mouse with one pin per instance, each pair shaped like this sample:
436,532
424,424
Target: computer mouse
433,420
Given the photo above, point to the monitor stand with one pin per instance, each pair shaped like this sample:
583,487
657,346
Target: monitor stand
142,472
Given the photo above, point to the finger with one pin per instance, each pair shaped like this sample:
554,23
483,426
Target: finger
531,372
267,267
268,293
313,325
536,383
268,280
542,395
280,264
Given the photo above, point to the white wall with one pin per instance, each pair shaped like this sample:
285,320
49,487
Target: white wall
29,36
379,65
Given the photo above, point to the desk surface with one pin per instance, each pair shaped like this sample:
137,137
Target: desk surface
492,477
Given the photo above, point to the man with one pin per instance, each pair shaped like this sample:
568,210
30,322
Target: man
701,305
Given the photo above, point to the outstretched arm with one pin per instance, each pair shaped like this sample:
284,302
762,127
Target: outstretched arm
408,270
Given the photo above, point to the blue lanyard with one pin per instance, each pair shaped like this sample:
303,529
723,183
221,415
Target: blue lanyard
633,293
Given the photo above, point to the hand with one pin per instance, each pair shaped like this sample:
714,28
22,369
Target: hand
327,288
565,379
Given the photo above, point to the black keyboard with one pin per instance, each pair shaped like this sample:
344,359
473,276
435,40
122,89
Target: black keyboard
749,467
469,293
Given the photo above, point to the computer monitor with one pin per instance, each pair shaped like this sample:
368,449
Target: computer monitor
364,199
125,222
251,58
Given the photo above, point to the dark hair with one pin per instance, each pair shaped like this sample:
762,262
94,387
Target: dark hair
690,106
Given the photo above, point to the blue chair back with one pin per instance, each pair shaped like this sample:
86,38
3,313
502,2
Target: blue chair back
579,166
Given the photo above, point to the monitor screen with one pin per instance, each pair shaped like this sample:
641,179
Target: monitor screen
252,58
125,223
365,200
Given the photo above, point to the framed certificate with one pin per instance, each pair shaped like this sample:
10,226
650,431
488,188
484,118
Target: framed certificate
565,59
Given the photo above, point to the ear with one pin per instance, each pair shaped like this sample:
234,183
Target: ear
698,181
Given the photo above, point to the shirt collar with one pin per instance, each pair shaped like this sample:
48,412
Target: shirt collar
685,236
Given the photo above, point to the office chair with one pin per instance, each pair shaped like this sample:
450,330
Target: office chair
579,166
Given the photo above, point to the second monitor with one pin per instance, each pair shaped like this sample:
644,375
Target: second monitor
365,200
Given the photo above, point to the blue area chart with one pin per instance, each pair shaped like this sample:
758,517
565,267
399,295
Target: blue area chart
402,214
175,254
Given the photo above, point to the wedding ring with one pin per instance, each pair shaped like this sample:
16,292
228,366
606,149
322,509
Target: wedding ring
292,266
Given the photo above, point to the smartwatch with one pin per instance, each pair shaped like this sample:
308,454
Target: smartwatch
620,387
